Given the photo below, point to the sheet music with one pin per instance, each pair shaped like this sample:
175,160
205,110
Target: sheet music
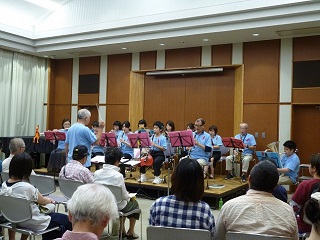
130,163
98,159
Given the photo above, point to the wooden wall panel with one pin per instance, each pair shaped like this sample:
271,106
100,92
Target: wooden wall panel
221,54
261,74
60,85
116,112
89,65
183,57
306,95
148,60
164,99
211,97
136,98
118,79
57,113
306,130
88,99
306,48
262,118
183,99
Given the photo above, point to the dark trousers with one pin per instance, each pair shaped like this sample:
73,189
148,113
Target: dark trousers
123,166
158,159
216,157
60,220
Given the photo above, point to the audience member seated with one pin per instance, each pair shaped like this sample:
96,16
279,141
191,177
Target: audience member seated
75,170
258,212
184,209
312,215
16,146
58,156
290,164
304,191
20,169
91,208
110,175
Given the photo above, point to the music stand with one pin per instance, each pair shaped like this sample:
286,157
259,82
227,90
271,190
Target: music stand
234,143
111,139
179,139
56,136
140,140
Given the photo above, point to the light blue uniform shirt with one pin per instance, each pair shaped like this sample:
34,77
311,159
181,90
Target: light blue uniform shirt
124,147
197,152
217,141
78,134
292,163
62,143
161,141
247,139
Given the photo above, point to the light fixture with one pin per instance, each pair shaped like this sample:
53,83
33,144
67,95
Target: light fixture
205,40
124,48
184,71
255,34
161,44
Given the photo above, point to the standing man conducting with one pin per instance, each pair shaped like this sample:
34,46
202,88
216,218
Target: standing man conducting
80,134
250,146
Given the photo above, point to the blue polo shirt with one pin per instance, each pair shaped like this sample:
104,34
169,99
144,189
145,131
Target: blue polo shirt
160,140
79,134
216,141
247,139
124,147
292,163
197,152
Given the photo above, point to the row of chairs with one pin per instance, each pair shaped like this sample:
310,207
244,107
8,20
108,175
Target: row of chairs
170,233
47,186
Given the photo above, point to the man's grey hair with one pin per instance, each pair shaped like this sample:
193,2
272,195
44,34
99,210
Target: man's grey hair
92,202
83,113
15,144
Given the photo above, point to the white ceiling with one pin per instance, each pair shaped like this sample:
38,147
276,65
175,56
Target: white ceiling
99,27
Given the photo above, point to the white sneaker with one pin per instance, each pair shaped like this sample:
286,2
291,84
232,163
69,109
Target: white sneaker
157,180
143,178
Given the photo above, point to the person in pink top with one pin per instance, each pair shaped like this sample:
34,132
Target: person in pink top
91,208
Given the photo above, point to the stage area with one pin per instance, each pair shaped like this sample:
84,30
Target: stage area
230,189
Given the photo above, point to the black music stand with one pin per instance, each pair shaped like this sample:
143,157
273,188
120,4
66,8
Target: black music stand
179,139
234,143
55,136
140,140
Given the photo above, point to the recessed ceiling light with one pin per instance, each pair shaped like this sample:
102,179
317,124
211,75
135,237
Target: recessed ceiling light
255,34
45,56
124,48
205,40
161,44
182,42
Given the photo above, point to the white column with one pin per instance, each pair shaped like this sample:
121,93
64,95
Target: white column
103,79
285,108
135,62
206,56
75,81
161,59
237,53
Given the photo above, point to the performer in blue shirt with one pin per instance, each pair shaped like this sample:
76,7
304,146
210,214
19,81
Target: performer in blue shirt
203,146
246,156
158,146
290,164
216,153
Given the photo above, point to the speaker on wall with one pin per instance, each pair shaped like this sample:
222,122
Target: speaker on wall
88,84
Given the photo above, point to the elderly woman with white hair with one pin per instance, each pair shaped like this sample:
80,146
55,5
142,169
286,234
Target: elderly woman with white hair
91,208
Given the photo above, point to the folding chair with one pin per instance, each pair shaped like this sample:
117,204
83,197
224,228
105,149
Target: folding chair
67,188
18,210
171,233
253,236
46,186
117,192
4,176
